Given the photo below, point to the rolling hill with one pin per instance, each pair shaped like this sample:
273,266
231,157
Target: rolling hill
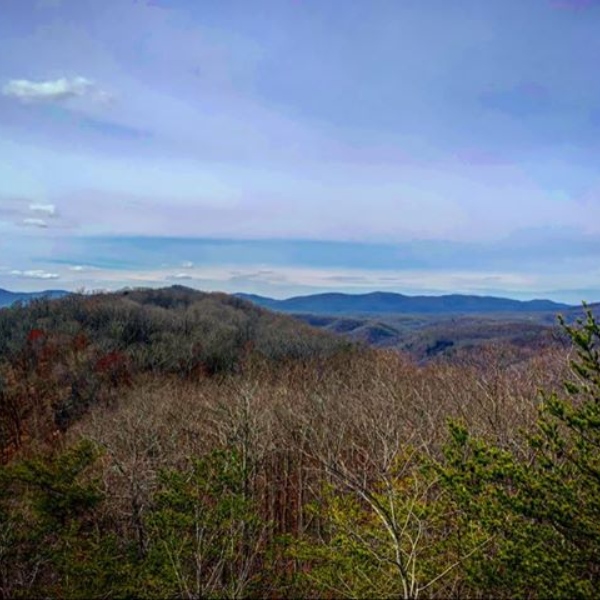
392,303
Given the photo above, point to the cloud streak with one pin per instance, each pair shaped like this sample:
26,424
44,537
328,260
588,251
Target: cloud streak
32,222
56,90
34,274
46,209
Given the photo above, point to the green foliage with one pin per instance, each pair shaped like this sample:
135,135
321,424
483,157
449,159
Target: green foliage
53,485
353,558
390,538
204,536
50,542
204,532
542,513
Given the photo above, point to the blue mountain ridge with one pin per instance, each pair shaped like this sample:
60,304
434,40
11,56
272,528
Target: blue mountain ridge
362,304
389,302
8,298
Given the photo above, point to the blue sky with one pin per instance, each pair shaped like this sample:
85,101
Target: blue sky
294,146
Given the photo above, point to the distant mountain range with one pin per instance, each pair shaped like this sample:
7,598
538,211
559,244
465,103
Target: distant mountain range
381,303
423,326
375,303
7,298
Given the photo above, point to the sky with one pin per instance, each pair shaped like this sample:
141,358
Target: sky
288,147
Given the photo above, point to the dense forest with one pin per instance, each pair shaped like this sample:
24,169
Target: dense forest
176,444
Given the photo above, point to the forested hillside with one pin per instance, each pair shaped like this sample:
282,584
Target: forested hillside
170,443
59,358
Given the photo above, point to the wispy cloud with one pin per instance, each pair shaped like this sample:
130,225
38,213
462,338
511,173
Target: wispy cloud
56,90
24,213
47,209
34,274
32,222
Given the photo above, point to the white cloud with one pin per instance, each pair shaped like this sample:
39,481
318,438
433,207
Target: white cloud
187,264
47,209
180,276
34,274
56,90
82,268
35,223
